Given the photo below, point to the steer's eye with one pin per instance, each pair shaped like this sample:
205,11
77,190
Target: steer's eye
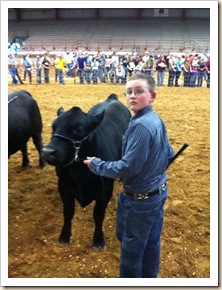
79,130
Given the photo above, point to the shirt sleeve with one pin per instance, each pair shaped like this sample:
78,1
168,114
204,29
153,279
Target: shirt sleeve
133,158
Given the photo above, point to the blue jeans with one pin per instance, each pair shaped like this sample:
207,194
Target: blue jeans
208,80
95,74
46,75
88,76
186,82
193,78
38,76
139,226
60,76
12,71
172,75
200,78
160,77
119,80
102,73
68,73
81,73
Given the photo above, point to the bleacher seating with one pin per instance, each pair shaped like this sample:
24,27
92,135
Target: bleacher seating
158,36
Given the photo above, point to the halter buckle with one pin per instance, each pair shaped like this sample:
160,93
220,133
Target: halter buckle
76,146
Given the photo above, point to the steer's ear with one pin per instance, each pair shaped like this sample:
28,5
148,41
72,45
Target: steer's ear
97,119
60,111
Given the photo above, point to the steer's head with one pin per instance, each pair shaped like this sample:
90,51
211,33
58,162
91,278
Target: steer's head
72,132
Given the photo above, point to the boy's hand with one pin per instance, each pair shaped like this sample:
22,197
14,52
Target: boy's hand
88,160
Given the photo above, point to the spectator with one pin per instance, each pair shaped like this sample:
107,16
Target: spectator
125,62
111,76
108,65
136,58
201,70
139,67
131,66
194,71
69,62
115,61
55,66
14,46
206,58
95,69
145,57
80,67
119,74
161,68
207,67
102,70
38,69
17,71
172,70
46,67
27,64
186,72
88,69
12,68
149,66
74,67
178,69
190,58
61,66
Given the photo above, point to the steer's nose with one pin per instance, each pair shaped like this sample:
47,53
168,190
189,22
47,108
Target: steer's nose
48,153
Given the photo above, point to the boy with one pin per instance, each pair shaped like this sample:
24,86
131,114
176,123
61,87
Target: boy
146,153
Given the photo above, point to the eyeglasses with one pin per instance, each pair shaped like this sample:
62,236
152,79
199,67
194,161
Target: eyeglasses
136,92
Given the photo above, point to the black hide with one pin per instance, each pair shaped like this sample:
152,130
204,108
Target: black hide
75,136
24,122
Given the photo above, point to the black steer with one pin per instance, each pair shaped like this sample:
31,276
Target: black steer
24,122
75,136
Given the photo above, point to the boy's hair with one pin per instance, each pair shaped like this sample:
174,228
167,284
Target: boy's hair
149,79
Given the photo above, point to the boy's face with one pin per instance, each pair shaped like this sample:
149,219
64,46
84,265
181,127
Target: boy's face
138,95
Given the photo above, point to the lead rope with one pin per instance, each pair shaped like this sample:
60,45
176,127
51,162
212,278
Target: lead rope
12,99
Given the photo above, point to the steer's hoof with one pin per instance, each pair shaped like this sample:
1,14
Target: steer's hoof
99,248
42,165
63,244
25,167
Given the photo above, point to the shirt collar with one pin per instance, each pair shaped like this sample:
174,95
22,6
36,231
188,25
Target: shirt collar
142,112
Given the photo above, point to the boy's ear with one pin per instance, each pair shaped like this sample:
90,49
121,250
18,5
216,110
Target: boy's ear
153,96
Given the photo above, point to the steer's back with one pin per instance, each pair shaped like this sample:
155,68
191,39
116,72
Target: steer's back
24,120
111,130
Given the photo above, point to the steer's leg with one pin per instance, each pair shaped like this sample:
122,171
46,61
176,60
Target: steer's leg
68,213
99,214
37,140
25,159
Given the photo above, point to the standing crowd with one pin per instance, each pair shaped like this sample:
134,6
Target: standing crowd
188,71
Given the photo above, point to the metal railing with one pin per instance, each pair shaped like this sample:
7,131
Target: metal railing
163,46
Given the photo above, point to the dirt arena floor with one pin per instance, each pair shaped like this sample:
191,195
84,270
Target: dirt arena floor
35,209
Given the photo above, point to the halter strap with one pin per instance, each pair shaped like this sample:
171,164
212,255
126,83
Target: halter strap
76,145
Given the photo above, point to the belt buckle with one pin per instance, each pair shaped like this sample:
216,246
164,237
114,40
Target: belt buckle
142,196
162,187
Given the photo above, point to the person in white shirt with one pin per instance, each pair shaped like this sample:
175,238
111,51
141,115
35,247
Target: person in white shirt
115,61
145,57
69,61
119,74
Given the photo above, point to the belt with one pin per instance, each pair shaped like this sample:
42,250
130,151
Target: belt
145,195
